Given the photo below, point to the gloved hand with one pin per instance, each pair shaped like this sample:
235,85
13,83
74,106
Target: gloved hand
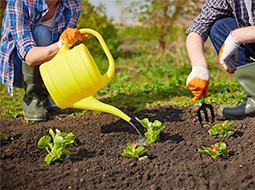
228,49
198,81
70,36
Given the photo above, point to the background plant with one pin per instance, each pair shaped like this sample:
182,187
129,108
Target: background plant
223,129
57,148
132,152
215,150
94,17
158,17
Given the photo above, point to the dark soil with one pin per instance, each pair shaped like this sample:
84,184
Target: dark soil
96,163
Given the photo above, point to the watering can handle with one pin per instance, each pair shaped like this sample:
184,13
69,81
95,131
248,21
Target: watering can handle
111,69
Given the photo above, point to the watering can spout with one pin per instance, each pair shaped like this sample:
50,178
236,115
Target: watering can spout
91,103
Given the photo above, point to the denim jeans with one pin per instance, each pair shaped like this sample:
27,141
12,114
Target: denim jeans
220,31
42,37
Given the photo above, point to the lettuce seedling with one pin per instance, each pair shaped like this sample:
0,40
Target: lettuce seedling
223,129
60,141
216,150
153,129
132,152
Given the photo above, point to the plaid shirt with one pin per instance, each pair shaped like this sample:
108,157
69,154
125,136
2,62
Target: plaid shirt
21,16
212,10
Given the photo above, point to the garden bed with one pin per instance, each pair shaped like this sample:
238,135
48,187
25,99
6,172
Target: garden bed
96,161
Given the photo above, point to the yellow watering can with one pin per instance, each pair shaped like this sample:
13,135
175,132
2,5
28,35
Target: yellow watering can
72,78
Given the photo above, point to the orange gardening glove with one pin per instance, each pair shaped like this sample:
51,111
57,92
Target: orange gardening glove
198,81
70,36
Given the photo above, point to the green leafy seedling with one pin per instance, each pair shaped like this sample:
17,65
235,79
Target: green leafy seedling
5,137
132,152
153,130
223,129
216,150
60,141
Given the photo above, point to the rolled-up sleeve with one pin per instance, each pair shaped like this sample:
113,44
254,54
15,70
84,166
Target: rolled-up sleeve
211,11
20,28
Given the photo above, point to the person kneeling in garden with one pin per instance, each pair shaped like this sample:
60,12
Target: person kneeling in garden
230,25
32,33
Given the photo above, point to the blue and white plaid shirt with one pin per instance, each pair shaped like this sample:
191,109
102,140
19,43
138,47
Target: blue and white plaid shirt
212,10
21,16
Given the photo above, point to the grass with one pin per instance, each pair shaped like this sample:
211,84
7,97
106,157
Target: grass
145,77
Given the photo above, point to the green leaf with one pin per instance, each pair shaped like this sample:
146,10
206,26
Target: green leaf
130,145
142,158
44,142
217,126
4,136
231,132
213,131
66,152
145,122
214,156
202,151
156,123
128,154
128,149
69,138
139,149
59,140
48,159
221,145
56,151
141,153
52,133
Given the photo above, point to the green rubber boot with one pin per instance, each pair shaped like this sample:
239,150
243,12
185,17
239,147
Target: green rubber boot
245,76
32,101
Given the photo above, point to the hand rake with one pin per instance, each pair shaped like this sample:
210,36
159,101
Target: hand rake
203,109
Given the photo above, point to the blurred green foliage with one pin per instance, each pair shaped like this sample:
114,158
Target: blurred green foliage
94,17
157,17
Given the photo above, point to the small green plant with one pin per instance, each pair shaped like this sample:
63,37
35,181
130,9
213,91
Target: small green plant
153,129
216,150
223,129
132,152
60,141
5,137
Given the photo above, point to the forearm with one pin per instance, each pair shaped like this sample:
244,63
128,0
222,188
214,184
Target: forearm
39,55
244,35
195,48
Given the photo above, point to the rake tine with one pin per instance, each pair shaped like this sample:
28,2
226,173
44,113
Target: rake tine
199,115
211,109
206,114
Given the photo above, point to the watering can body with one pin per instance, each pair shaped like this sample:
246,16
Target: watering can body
72,78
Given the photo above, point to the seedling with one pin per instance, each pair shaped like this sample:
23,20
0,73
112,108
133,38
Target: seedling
153,130
60,141
5,137
223,129
216,150
132,152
